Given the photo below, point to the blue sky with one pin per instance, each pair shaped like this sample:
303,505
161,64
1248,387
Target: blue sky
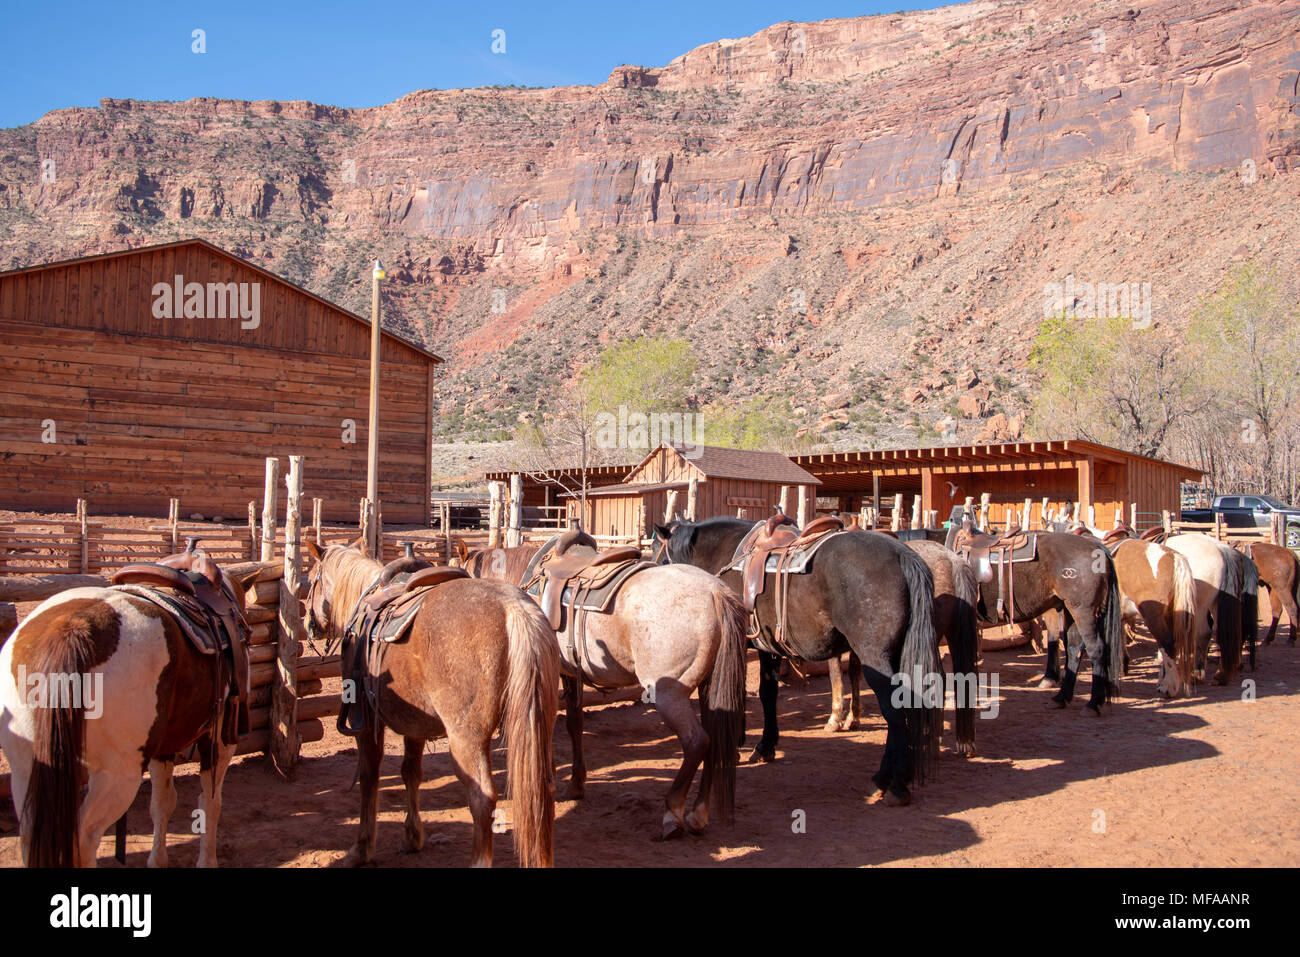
60,54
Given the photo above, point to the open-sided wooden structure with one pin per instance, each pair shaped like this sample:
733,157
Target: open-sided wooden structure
1066,472
107,398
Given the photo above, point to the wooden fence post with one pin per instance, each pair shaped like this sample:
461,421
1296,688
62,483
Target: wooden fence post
1166,520
1218,527
270,492
515,533
807,509
494,513
363,525
692,492
784,501
985,499
252,532
932,518
315,518
174,517
916,511
85,536
445,515
670,505
862,517
285,740
896,518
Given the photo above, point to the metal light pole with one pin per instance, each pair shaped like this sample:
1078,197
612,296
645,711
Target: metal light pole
372,457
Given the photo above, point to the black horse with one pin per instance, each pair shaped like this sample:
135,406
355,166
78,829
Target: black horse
1074,576
866,593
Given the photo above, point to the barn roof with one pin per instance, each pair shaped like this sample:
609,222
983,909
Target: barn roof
719,463
217,250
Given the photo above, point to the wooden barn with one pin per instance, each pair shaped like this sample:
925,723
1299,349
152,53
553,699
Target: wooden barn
728,482
1065,472
176,370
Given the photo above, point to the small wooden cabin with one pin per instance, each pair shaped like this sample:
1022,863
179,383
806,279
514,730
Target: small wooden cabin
176,370
728,482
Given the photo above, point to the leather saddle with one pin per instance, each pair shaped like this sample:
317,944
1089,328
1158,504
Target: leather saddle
191,588
1155,534
384,615
573,565
983,552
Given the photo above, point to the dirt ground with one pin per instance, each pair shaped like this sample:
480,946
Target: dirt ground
1207,780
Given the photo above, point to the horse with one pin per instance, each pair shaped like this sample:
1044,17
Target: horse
866,593
1279,572
1156,586
955,596
127,690
479,655
1075,577
1226,600
671,631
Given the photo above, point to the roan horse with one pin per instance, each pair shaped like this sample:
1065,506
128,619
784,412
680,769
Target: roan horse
96,685
1075,577
955,595
669,630
479,656
866,593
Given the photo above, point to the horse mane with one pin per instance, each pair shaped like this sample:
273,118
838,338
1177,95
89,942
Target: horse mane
351,573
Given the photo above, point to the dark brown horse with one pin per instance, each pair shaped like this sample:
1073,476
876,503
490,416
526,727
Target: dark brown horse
866,593
480,655
1074,576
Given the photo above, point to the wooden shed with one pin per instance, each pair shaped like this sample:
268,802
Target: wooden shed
1065,472
175,370
728,482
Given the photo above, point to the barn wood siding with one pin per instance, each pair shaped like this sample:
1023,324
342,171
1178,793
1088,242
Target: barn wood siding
148,408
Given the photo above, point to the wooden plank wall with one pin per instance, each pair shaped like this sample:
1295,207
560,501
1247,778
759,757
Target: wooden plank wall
160,408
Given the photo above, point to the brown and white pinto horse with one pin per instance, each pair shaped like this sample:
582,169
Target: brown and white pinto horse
1156,586
1227,600
133,693
480,655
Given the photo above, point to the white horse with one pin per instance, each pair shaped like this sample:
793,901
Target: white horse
1226,600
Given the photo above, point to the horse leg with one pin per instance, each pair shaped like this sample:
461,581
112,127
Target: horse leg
1292,611
1093,643
573,721
895,765
855,691
1052,670
769,672
162,804
107,799
412,775
1073,646
675,708
474,769
211,780
370,751
1275,606
698,819
837,693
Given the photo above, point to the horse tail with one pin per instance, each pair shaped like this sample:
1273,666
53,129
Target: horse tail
920,655
724,722
1111,626
532,701
1227,616
1250,604
964,645
1184,615
53,802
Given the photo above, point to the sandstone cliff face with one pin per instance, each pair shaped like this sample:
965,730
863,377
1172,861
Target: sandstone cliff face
864,206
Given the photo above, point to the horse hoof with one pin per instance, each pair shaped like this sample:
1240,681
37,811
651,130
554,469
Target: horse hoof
1047,681
832,725
573,794
890,799
761,755
672,829
1091,710
354,858
695,824
1056,704
966,751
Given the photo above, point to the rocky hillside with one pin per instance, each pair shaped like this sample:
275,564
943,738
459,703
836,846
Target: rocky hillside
858,215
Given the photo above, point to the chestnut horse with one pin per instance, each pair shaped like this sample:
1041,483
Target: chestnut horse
669,630
866,593
96,685
1279,572
480,655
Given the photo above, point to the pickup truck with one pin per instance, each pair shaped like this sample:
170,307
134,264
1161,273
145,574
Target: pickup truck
1248,511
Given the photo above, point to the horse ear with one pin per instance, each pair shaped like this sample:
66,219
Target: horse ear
314,550
664,532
